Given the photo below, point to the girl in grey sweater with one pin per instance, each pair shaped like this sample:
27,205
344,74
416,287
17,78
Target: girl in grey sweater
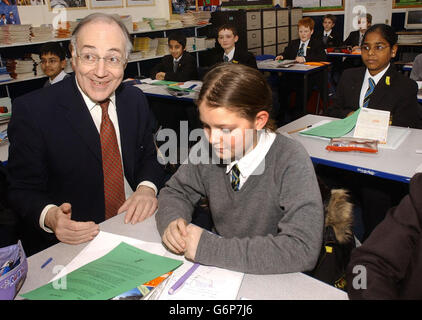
262,192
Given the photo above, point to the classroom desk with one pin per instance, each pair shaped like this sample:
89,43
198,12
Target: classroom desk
343,55
256,287
399,164
305,70
161,92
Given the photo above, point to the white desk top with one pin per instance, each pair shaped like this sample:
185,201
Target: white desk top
162,92
399,164
270,65
269,287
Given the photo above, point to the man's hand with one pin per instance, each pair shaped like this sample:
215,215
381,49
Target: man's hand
140,205
160,75
174,234
300,59
192,239
67,230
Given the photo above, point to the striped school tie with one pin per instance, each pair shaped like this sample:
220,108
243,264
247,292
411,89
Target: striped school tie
368,93
226,58
235,177
114,190
301,51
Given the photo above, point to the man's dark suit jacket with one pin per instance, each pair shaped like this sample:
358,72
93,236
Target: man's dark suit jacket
352,39
333,40
398,97
392,255
314,50
240,56
55,153
186,69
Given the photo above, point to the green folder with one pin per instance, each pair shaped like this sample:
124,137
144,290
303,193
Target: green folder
335,128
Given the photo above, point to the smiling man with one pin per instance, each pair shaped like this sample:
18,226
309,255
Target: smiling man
87,153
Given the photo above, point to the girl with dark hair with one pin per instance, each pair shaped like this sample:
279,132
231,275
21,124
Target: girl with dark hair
378,85
264,199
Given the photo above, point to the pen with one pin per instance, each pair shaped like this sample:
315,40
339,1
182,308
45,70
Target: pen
183,278
290,132
47,262
192,86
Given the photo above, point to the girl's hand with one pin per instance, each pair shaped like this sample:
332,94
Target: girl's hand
173,236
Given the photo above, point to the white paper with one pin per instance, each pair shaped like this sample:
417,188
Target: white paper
206,283
102,244
372,124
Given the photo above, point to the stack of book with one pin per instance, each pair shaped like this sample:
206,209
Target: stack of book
127,21
15,33
37,60
65,29
162,48
202,17
4,75
158,23
174,23
190,44
20,68
210,43
42,33
141,26
188,19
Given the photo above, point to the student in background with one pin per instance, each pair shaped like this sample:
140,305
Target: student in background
302,50
355,37
179,65
262,191
392,91
377,85
227,38
53,62
392,256
305,48
328,36
416,73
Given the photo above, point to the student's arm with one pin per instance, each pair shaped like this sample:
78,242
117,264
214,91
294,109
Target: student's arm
251,60
186,70
406,111
316,52
386,255
160,67
296,246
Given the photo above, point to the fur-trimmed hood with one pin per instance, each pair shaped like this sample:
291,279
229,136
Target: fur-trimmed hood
339,215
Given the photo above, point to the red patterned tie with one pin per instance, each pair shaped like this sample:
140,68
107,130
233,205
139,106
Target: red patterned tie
114,192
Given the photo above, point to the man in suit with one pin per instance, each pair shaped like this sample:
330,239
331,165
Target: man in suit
328,36
82,150
179,65
53,62
227,38
301,50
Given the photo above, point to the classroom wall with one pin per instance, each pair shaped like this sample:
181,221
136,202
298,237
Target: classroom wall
37,15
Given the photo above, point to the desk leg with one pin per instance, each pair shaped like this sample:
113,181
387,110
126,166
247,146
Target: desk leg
305,93
325,89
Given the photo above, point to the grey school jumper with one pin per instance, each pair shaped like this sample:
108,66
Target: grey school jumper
273,224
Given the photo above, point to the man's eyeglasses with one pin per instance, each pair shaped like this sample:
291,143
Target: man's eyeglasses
377,47
90,59
50,61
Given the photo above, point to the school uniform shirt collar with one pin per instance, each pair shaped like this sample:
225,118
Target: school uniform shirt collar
178,59
91,104
250,161
327,33
230,55
58,78
377,77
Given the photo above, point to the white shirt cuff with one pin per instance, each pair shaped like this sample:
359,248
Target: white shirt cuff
148,184
42,218
419,84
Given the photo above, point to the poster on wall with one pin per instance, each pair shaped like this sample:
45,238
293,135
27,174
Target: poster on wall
135,3
407,3
68,4
95,4
182,6
31,2
381,11
9,14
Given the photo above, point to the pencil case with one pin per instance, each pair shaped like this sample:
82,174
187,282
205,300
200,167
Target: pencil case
353,144
14,269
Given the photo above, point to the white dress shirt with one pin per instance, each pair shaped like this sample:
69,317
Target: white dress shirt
250,161
230,55
58,78
327,33
95,111
365,84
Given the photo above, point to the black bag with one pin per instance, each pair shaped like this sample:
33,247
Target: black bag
338,241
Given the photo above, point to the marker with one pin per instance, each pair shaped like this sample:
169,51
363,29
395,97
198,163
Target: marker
192,86
47,262
183,278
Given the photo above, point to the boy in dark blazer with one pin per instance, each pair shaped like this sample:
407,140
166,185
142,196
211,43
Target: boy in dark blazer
227,38
329,37
179,65
304,49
